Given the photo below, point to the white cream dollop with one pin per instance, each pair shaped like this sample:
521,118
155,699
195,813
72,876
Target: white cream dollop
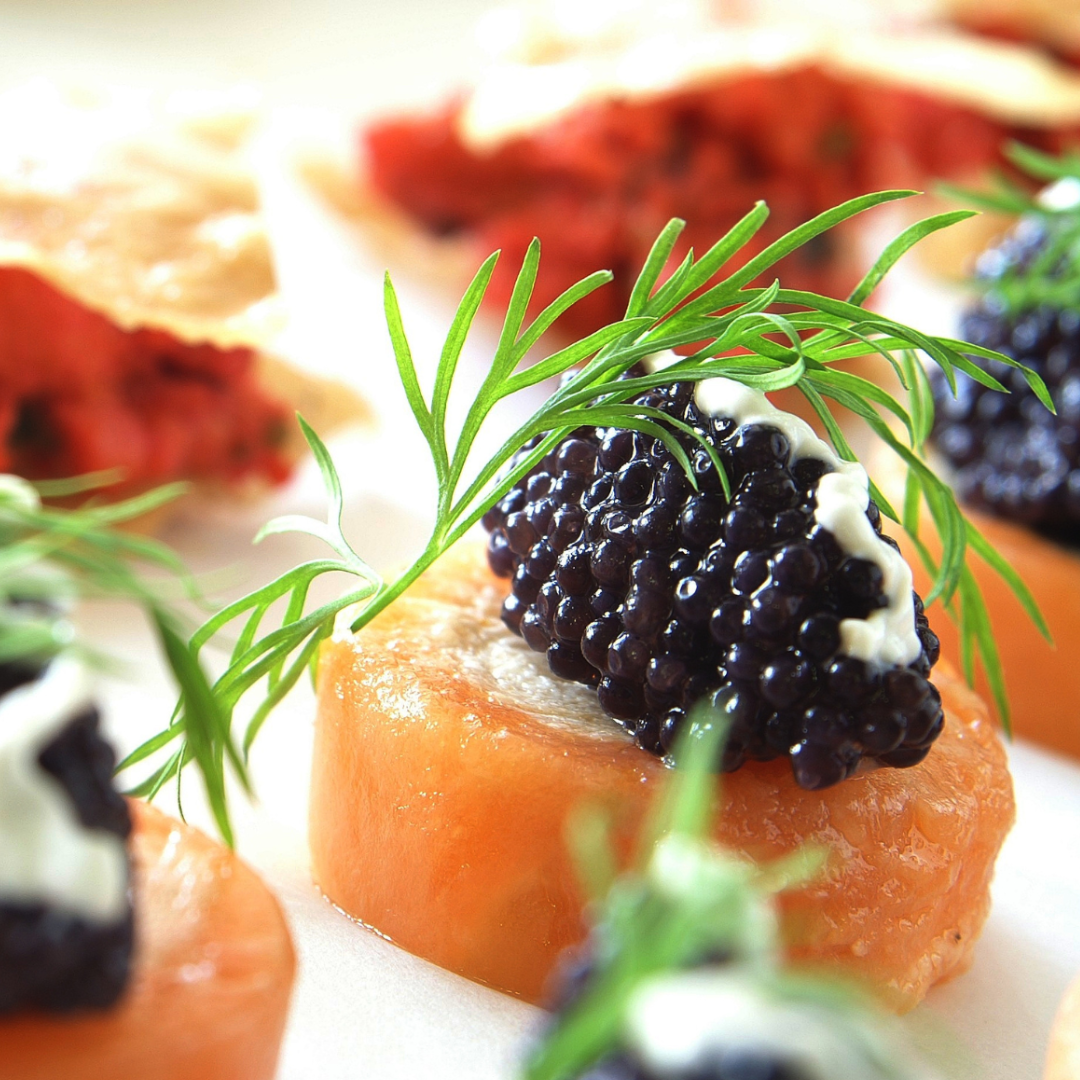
675,1021
887,637
1063,194
46,854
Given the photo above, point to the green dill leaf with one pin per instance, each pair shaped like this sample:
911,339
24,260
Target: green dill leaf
410,382
150,787
205,726
1049,276
459,331
330,479
900,247
1032,378
736,238
977,631
566,358
912,505
281,686
78,485
1041,165
655,262
986,551
588,836
561,304
802,234
688,803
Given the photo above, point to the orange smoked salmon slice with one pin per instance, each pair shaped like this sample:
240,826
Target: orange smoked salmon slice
1043,680
448,762
210,985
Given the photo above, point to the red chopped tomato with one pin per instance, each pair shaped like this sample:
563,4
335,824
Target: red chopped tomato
598,184
79,394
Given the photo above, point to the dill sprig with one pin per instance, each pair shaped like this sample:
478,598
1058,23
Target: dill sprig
51,557
685,903
1051,275
780,337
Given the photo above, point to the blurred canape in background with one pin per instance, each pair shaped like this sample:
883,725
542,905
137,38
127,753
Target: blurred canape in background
138,297
593,124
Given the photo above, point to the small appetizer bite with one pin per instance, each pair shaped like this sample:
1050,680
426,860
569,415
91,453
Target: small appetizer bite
593,145
137,294
671,536
130,944
1014,464
684,978
443,738
1063,1057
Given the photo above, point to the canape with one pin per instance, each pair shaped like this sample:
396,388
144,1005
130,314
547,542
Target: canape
1016,466
593,145
130,944
441,738
670,536
137,298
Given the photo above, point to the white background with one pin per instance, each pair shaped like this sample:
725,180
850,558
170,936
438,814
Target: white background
363,1008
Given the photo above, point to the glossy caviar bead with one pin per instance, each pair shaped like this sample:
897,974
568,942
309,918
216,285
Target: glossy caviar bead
659,593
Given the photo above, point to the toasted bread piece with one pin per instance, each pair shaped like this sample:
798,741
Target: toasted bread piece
1054,23
449,764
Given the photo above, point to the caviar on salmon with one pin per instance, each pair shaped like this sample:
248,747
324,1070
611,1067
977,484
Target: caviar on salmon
1012,457
658,595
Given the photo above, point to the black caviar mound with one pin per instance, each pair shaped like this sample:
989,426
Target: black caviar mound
657,596
1012,457
50,959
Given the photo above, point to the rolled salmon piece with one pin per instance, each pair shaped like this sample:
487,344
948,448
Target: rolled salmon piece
450,763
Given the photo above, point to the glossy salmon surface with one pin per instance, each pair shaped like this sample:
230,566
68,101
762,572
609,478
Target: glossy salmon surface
449,765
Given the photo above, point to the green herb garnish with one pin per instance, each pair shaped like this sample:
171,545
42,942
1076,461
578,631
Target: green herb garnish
1051,276
688,903
797,345
51,557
